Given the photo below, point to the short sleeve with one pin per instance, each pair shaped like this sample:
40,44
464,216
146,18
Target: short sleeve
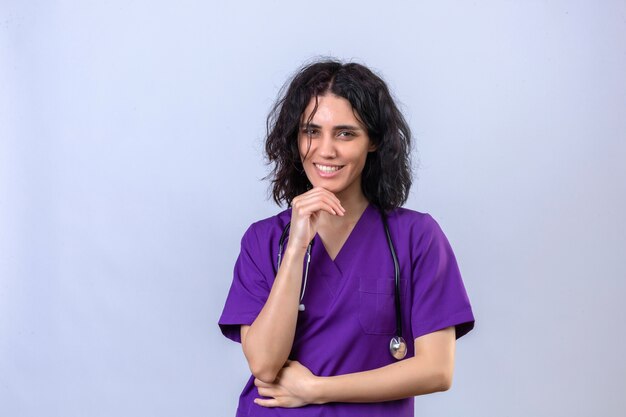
439,298
249,289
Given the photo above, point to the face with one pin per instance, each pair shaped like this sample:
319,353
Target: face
339,145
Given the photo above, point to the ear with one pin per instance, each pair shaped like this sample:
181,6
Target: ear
372,147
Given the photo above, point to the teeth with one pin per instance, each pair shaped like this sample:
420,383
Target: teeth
325,168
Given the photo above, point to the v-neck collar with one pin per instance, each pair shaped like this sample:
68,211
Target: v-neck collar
350,245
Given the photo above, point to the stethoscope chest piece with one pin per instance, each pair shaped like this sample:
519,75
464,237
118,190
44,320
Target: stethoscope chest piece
397,347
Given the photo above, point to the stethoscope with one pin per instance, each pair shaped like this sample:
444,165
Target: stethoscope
397,344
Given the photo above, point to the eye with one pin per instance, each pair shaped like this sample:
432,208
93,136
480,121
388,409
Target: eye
346,134
311,131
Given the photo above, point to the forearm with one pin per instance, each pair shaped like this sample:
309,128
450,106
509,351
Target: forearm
404,379
414,376
269,339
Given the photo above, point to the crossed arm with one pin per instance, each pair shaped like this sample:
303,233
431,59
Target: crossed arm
430,370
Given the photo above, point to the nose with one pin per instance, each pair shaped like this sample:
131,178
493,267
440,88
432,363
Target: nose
326,147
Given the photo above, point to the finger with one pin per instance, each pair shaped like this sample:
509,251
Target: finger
332,199
267,392
310,207
260,383
269,402
316,193
313,204
319,193
322,191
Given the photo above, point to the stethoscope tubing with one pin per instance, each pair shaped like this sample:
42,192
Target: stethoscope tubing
396,267
397,344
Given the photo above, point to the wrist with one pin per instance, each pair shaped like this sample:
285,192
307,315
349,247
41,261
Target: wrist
317,391
295,251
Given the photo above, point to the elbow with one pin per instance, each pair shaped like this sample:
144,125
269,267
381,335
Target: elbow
264,374
443,381
264,365
262,368
264,371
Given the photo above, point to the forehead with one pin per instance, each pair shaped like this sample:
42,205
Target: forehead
331,109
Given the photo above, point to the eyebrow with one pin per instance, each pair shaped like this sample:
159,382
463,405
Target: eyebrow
338,127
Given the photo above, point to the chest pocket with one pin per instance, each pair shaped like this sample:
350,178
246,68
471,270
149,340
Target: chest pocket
377,310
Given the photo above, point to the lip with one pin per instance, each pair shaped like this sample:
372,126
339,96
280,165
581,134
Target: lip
324,174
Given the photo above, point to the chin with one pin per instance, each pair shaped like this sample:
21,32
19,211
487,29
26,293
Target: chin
333,188
334,185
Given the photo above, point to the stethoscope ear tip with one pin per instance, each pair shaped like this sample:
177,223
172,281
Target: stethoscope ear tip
301,307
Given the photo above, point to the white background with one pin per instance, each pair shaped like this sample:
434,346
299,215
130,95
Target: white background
131,136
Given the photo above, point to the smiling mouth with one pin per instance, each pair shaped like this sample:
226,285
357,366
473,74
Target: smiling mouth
328,168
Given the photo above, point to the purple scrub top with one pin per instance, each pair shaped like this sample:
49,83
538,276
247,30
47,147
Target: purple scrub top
350,311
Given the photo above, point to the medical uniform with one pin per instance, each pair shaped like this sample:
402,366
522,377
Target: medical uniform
349,315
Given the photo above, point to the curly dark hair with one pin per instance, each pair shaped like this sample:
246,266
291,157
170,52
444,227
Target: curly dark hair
387,176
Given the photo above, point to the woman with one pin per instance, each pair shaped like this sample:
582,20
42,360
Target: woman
322,335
